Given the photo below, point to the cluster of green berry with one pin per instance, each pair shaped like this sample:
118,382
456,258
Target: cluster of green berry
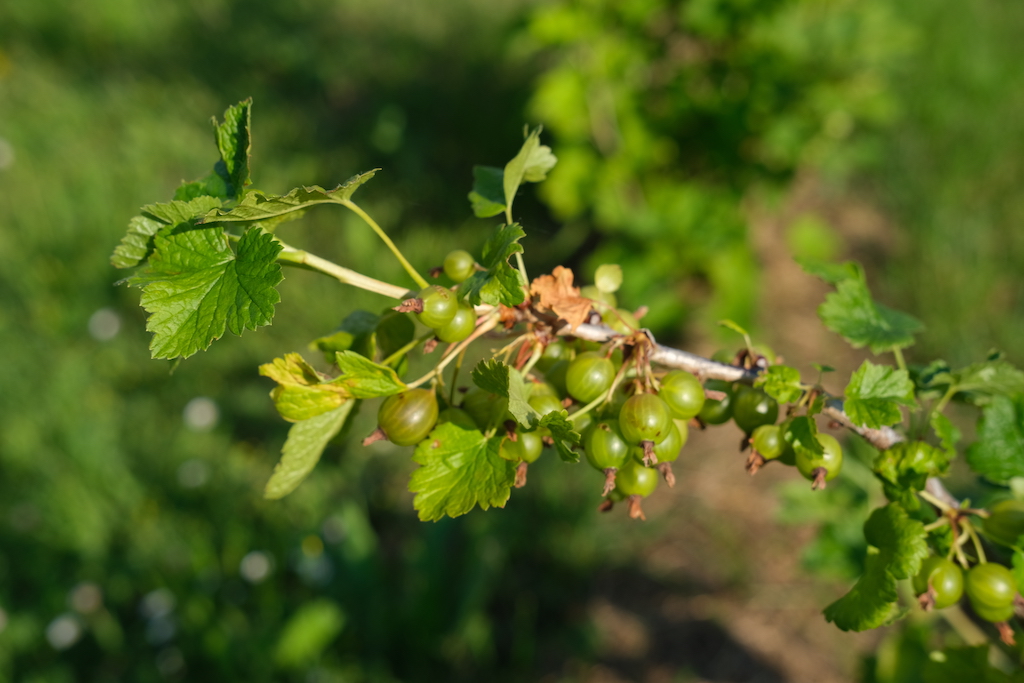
451,320
756,413
991,588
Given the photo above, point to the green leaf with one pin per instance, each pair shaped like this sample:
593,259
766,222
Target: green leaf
994,377
257,206
875,394
898,547
608,277
308,632
302,392
211,186
781,383
137,244
563,433
500,283
963,664
822,368
851,313
195,287
947,433
181,214
488,195
362,378
735,327
306,442
832,273
905,467
802,434
998,452
531,164
234,141
460,469
498,378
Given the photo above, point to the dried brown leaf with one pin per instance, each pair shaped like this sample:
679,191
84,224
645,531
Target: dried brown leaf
556,293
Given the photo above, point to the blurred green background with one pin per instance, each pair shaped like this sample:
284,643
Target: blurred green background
134,542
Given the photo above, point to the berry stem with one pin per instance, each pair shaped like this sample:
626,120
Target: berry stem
407,348
417,278
521,475
297,257
453,351
609,480
969,528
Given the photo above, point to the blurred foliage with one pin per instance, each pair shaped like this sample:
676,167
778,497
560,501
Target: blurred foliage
134,544
951,175
666,115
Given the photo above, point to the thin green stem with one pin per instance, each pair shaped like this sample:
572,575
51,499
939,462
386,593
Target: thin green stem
940,522
407,348
482,329
934,501
455,377
538,350
522,274
944,401
977,541
297,257
898,354
417,278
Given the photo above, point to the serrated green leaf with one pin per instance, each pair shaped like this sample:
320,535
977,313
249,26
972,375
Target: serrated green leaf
531,164
302,392
802,434
492,376
137,244
981,381
563,433
898,547
498,378
212,185
195,288
781,383
303,448
178,213
608,277
875,394
831,273
234,141
963,664
460,469
998,452
500,283
904,470
257,206
946,432
851,313
488,194
539,164
362,378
